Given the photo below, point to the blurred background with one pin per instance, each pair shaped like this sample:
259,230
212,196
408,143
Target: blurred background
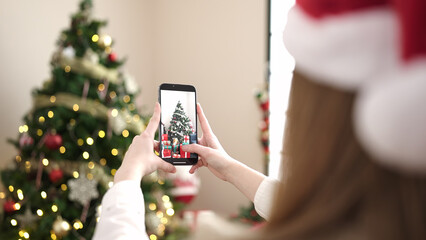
220,47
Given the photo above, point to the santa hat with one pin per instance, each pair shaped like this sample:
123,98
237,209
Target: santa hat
377,49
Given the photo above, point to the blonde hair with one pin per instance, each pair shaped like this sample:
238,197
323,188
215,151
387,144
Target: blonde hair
331,188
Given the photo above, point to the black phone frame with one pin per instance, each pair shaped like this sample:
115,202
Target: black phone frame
183,88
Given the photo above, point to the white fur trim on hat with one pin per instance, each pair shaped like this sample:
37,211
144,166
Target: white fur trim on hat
390,118
343,50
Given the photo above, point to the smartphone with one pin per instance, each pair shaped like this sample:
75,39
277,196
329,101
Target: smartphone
178,124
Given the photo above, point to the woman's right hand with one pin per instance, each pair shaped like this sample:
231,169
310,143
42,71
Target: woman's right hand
211,153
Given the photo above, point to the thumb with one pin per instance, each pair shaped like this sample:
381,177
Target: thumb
165,166
196,148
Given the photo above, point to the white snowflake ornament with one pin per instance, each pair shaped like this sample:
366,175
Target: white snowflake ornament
82,190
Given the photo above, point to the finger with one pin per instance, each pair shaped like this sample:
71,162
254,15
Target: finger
196,148
196,166
165,166
155,120
205,126
156,146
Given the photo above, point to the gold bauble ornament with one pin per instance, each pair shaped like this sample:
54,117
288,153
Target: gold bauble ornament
61,227
105,41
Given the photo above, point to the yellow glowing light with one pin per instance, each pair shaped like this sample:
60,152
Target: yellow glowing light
64,186
39,212
62,149
80,142
18,158
160,214
168,205
161,182
11,188
25,128
114,112
165,198
75,107
41,119
102,161
72,122
170,211
65,225
54,208
67,68
89,141
45,162
108,50
114,152
21,233
126,99
110,184
152,206
107,40
112,94
78,224
27,164
20,129
75,174
125,133
95,38
101,87
89,176
26,235
50,114
86,155
52,99
113,171
101,134
152,237
13,222
2,195
20,194
17,206
39,132
43,194
132,107
53,236
164,220
136,118
91,165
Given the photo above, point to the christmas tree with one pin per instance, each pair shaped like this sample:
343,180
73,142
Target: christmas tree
71,143
180,124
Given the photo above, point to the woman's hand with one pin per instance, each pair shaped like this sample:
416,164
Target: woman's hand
212,155
140,159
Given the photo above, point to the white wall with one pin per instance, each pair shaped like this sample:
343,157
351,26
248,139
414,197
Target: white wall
218,46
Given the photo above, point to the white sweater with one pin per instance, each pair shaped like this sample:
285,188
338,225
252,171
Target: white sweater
123,210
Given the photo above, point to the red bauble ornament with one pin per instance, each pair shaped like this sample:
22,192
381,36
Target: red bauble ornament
9,206
112,57
55,175
53,141
265,106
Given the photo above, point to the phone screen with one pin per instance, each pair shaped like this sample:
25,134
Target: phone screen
178,125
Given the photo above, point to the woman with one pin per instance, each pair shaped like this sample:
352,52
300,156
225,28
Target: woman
354,150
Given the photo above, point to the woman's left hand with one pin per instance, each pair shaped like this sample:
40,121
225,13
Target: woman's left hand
140,159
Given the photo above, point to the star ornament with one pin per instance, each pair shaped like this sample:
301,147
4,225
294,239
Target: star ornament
26,219
82,190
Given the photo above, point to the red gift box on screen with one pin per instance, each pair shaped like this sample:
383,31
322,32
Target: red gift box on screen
167,149
183,153
164,137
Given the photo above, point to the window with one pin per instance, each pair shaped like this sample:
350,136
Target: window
281,65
